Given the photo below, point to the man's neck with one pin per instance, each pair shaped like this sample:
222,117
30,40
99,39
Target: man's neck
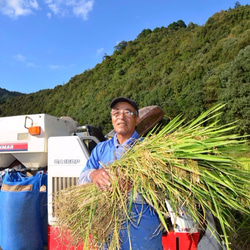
121,139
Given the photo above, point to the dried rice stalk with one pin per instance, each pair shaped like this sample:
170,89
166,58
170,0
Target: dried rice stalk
187,164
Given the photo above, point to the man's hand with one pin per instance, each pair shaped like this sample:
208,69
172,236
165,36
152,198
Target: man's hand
124,184
101,178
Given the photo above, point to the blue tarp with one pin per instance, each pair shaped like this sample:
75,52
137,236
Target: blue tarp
23,211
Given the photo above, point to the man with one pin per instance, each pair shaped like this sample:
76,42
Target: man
145,231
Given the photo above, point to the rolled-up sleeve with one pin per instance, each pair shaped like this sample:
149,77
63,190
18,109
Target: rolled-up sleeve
84,176
101,155
91,165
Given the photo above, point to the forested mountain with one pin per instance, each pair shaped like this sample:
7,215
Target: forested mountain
182,68
5,95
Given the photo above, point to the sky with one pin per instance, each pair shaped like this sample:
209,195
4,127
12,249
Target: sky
44,43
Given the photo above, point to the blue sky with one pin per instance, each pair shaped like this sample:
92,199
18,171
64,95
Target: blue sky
43,43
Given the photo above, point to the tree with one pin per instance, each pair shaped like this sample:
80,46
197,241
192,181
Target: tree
121,46
177,25
144,33
235,91
237,5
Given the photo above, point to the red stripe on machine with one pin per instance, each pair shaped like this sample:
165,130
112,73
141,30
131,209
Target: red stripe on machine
13,147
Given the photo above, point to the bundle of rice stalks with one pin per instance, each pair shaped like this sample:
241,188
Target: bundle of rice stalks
189,165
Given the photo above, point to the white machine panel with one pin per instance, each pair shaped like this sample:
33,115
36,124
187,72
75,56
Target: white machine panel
66,159
30,150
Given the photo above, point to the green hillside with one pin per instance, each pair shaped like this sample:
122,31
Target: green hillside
5,95
182,68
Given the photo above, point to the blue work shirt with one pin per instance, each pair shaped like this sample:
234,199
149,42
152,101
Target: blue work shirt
145,230
104,154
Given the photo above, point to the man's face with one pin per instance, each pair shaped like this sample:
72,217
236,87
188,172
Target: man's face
123,124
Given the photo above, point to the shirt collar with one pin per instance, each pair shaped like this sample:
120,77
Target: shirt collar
129,142
120,149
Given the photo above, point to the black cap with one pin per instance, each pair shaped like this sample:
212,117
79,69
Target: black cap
124,99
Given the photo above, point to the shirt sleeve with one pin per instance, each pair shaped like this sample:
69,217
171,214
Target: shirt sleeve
84,176
91,165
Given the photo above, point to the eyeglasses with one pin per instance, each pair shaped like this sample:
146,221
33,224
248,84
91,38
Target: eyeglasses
117,113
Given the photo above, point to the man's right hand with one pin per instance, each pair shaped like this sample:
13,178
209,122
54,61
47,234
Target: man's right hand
101,179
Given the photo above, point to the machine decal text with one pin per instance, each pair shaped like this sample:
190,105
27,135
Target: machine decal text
14,147
66,161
